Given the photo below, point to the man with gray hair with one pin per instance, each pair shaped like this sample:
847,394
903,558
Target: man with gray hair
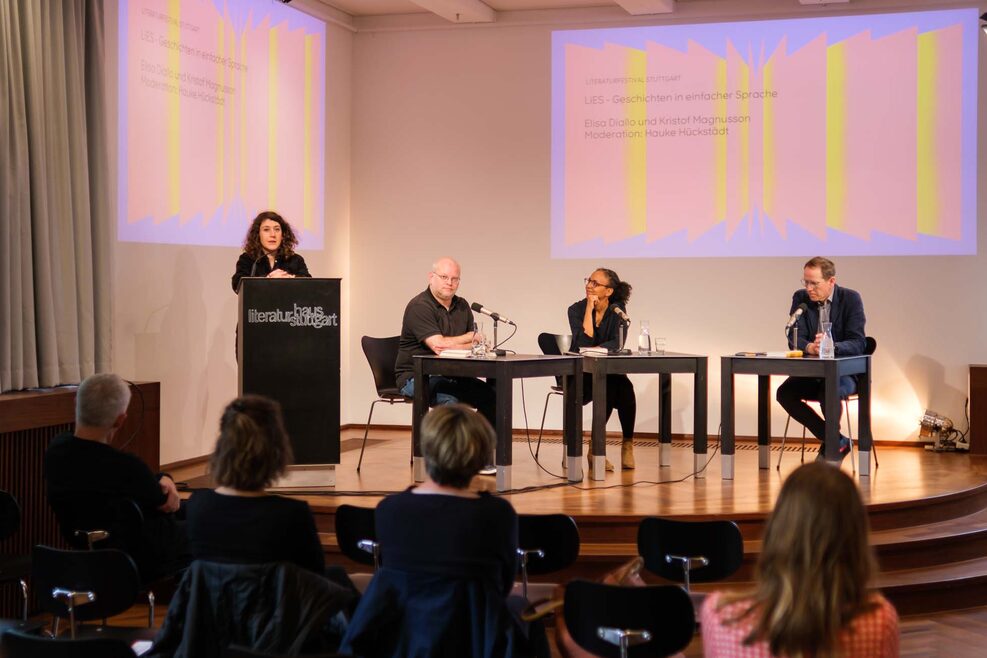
88,480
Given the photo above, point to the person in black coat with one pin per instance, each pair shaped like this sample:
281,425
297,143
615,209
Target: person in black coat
269,251
844,309
594,322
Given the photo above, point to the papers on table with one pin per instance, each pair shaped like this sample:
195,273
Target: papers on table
455,354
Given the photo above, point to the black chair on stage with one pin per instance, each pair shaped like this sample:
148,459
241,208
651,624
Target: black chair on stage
620,622
381,354
547,543
690,551
13,568
551,345
869,349
18,644
86,586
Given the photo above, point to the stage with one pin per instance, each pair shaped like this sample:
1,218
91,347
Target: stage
928,510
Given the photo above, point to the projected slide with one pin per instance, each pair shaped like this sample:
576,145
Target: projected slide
222,115
836,136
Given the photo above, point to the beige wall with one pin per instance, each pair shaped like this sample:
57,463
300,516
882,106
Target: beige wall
438,143
451,155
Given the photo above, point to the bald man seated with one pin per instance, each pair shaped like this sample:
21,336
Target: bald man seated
438,319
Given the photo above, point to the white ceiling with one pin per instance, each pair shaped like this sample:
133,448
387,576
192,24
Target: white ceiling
382,7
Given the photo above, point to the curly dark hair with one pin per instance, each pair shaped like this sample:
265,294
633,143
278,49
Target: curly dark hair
621,289
252,450
251,244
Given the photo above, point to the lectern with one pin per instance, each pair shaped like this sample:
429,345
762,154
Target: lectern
289,350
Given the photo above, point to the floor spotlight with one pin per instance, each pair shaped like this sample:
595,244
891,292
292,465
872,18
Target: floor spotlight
940,429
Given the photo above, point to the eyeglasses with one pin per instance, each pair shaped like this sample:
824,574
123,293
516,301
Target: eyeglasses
811,284
454,280
595,283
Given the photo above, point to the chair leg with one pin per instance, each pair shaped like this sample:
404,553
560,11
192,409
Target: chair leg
366,430
849,431
544,413
784,437
150,609
24,594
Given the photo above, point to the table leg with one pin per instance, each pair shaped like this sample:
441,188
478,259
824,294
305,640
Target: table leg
665,419
764,421
831,412
699,412
726,418
419,409
572,424
598,440
864,437
505,427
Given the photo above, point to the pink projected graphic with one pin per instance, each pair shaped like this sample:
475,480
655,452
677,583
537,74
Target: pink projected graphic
222,115
846,135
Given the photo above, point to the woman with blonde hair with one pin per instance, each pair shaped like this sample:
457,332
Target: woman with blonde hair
813,595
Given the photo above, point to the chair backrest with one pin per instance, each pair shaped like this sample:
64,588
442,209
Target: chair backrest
665,611
354,524
119,516
109,573
554,344
18,644
381,354
870,345
555,534
10,515
720,542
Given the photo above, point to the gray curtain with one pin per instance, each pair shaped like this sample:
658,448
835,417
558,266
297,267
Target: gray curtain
55,224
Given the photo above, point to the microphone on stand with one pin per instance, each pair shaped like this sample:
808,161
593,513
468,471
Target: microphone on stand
620,314
479,308
802,308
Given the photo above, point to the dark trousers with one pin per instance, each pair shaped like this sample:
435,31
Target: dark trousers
471,391
795,390
620,395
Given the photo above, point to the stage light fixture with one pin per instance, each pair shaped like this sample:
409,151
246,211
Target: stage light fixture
940,429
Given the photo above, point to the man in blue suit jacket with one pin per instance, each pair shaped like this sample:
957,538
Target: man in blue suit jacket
845,311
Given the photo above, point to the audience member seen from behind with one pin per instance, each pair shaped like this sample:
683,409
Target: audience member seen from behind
269,251
238,521
91,484
813,594
594,322
448,554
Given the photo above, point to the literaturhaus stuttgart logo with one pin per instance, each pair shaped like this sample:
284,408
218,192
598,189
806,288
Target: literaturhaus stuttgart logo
299,316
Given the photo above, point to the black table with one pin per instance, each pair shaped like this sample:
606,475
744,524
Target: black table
505,369
664,365
810,366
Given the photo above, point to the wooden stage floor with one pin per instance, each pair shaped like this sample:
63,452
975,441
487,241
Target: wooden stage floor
928,511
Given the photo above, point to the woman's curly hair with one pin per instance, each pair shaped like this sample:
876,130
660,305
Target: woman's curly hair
252,246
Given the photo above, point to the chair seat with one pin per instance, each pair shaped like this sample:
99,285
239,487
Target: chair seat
393,394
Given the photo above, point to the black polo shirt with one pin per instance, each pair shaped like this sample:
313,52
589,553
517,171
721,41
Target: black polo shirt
423,317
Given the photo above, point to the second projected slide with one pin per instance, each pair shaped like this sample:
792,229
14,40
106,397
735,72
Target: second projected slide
851,135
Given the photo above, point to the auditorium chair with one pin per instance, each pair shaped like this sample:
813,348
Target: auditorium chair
18,644
546,543
13,568
381,354
606,620
551,345
690,551
356,536
88,585
869,349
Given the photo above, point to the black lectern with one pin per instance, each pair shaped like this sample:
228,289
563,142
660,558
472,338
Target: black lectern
289,351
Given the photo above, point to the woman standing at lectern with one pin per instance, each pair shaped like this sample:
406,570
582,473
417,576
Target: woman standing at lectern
594,322
269,251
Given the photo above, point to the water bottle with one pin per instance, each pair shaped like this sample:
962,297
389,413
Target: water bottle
644,340
827,349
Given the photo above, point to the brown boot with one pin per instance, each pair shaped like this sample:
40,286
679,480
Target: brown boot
627,455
